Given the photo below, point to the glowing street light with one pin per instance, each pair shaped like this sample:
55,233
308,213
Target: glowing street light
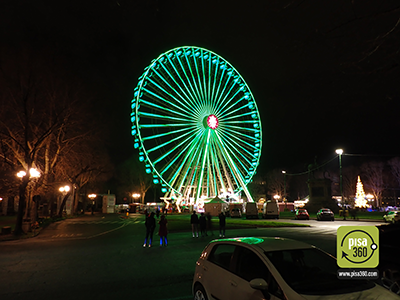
339,152
21,174
135,196
92,197
284,185
33,173
277,197
64,189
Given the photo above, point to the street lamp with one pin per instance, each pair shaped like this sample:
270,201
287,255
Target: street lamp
135,196
64,189
277,197
33,174
284,186
92,197
339,152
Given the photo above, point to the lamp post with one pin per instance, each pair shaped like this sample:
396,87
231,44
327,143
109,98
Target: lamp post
64,190
339,152
284,186
135,196
33,174
92,197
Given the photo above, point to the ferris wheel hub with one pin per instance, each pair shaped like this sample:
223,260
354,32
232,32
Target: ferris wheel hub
212,121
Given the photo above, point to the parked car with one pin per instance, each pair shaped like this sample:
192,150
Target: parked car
389,258
236,213
302,214
274,268
392,217
325,214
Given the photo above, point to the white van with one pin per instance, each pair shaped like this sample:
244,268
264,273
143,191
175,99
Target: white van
271,210
251,210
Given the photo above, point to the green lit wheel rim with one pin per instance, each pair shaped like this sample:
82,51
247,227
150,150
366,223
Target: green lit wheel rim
196,124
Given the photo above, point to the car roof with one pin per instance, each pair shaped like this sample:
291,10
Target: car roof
266,243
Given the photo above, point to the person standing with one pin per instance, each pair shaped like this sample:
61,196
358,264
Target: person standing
222,224
162,231
194,220
150,224
203,224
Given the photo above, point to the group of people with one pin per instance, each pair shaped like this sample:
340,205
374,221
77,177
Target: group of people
205,224
150,224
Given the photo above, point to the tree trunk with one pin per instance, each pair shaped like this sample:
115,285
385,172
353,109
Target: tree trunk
21,206
63,204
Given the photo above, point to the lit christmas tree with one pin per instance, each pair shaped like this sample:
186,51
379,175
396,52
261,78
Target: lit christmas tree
360,195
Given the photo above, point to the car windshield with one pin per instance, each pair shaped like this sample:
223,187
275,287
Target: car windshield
313,272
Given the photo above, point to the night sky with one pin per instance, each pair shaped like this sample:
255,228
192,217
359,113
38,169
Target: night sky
324,74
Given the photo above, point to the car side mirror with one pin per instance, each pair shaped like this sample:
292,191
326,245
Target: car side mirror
262,285
259,284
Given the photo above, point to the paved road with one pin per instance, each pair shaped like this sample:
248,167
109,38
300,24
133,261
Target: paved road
101,257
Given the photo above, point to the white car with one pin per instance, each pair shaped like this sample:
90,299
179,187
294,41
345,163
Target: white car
392,217
275,268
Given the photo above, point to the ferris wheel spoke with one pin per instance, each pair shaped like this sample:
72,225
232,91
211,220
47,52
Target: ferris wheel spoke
209,76
214,72
191,144
193,81
203,163
232,111
153,115
225,97
205,86
244,143
234,147
237,117
188,139
224,147
188,165
218,78
185,164
165,134
235,170
232,128
177,156
163,108
190,97
228,99
238,161
217,167
222,94
226,166
246,158
180,105
172,141
159,125
201,94
194,96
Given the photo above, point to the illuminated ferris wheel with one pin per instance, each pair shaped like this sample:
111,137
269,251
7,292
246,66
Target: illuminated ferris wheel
196,125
